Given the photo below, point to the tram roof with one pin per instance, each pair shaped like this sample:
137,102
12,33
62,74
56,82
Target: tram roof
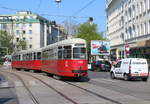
63,42
27,51
66,42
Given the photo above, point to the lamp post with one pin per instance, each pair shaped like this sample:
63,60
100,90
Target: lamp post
58,2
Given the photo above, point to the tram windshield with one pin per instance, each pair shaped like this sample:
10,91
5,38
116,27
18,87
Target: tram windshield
79,53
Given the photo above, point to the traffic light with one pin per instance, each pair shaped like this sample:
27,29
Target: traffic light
53,22
90,19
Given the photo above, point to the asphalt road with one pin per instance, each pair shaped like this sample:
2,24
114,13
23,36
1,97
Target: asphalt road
100,89
136,88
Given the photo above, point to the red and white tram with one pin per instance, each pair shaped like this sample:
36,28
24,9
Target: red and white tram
28,59
64,58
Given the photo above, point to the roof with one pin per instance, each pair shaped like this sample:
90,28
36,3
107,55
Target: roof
66,42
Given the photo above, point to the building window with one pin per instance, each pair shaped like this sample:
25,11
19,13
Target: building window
141,7
17,32
149,27
23,31
141,32
144,5
30,39
148,4
133,31
145,29
133,15
130,32
24,38
17,25
138,10
30,25
130,13
138,31
17,39
30,31
30,46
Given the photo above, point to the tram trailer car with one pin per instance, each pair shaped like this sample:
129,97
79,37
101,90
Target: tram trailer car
64,58
27,59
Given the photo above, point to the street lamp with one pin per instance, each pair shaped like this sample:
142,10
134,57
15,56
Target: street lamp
58,2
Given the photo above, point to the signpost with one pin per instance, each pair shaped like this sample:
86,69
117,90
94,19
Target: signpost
127,50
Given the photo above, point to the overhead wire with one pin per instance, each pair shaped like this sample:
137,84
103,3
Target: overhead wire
63,16
39,5
80,10
2,7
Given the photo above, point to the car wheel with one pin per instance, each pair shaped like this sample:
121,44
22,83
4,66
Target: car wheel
112,75
126,77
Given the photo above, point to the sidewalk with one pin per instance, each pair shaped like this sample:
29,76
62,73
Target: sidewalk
7,93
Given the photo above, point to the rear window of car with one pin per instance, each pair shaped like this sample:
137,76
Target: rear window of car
98,62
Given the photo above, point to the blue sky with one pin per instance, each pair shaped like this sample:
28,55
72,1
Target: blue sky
66,8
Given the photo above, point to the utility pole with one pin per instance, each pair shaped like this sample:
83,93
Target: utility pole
58,2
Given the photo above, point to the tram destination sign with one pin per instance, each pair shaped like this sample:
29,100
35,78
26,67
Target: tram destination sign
99,47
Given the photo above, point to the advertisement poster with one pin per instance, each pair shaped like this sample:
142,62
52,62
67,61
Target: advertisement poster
100,47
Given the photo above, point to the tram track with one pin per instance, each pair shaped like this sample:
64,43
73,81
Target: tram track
33,98
69,83
94,93
49,86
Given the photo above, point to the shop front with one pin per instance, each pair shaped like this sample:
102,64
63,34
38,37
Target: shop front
142,50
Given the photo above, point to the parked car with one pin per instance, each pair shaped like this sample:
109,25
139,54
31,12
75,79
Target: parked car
101,65
130,68
7,63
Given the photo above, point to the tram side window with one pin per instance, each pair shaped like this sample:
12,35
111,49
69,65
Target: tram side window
16,58
67,52
60,51
34,54
44,54
38,55
29,56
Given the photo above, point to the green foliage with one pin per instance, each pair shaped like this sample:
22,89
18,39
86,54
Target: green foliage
6,41
22,44
88,32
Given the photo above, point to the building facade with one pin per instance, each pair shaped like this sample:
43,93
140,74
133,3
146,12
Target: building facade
25,25
128,27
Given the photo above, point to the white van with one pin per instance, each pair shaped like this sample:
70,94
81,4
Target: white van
130,68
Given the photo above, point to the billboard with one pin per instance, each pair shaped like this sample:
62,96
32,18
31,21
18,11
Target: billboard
99,47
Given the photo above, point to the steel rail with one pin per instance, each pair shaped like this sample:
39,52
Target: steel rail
23,82
60,93
96,94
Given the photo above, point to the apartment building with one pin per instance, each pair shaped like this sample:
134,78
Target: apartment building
34,29
128,26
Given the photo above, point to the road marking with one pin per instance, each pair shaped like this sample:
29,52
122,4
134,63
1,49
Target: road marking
4,84
104,80
18,84
33,83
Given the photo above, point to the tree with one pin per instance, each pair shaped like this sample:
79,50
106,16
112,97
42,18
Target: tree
22,44
70,26
6,41
88,32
